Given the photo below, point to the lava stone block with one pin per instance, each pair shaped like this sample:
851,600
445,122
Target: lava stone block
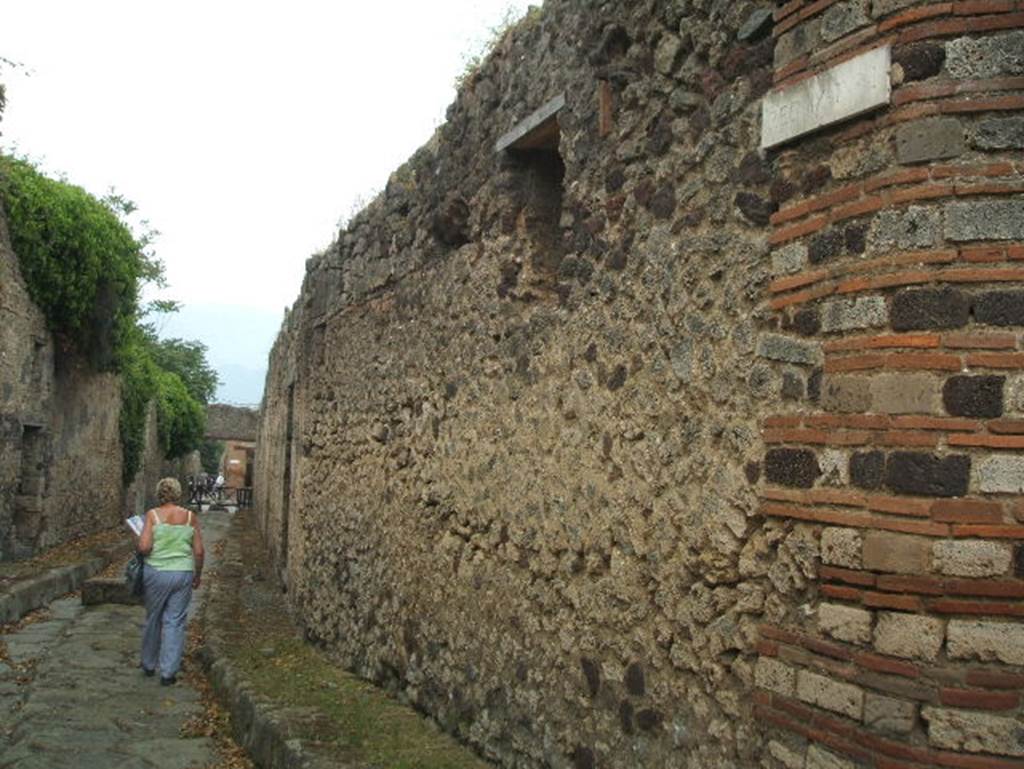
974,396
867,469
648,720
592,675
929,308
911,472
583,758
806,321
635,684
828,245
791,467
919,61
1000,308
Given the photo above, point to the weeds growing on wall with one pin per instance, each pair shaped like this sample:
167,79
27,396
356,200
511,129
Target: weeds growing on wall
474,59
84,268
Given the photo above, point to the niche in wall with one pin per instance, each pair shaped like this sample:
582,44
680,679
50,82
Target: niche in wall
531,151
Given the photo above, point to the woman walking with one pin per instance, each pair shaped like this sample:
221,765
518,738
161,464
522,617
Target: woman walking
173,547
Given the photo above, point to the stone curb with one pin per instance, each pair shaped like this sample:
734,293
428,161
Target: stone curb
30,594
266,730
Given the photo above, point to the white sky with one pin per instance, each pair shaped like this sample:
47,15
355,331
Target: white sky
243,130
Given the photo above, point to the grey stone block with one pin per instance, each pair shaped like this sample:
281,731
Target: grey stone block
965,730
908,635
999,134
756,25
889,714
775,676
841,547
803,38
982,57
971,558
916,227
843,18
1000,474
905,394
849,314
897,553
831,694
986,641
846,394
788,350
845,623
985,220
885,7
930,140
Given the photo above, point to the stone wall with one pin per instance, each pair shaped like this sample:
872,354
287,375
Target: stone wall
895,276
225,422
661,449
60,449
60,444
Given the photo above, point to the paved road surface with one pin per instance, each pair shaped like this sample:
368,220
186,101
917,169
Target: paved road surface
72,694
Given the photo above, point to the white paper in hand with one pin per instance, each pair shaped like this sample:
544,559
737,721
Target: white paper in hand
135,523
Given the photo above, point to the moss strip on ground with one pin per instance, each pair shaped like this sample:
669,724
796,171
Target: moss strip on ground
360,722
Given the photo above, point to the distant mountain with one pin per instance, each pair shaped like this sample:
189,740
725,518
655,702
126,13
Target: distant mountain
238,340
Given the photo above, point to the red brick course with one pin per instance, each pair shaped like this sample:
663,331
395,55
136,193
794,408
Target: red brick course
844,279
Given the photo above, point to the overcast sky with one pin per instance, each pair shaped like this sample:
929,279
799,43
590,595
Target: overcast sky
243,130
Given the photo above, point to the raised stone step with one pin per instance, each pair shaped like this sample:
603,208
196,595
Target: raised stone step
108,590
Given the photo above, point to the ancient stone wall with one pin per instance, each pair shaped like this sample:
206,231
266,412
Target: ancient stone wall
60,443
895,275
224,422
60,455
643,446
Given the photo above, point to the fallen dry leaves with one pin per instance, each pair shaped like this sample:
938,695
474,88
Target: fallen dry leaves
75,551
214,722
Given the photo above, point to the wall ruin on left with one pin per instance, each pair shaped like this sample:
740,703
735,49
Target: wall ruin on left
60,447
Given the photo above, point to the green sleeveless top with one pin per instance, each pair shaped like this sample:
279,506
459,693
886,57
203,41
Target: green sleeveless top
172,546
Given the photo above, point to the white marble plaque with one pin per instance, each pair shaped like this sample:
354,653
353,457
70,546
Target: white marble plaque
845,90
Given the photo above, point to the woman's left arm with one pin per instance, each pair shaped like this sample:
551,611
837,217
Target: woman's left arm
198,553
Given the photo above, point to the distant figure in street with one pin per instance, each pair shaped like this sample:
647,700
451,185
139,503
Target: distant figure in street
173,546
218,485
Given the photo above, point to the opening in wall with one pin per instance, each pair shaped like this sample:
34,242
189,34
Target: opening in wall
28,504
32,476
532,149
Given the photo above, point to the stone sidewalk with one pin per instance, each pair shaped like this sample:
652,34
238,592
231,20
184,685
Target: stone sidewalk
72,693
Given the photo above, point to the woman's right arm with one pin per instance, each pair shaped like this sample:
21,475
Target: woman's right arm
146,538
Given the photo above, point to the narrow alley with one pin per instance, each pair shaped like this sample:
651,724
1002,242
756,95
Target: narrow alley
72,693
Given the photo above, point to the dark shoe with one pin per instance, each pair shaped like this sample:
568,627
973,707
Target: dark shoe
168,681
148,673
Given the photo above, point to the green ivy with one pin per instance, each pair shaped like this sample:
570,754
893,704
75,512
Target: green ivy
84,269
181,418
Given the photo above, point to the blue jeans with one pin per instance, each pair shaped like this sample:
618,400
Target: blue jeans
163,636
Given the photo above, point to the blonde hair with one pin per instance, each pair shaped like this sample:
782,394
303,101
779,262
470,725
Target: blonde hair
168,491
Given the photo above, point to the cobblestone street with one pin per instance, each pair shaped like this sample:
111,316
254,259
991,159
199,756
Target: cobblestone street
72,693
